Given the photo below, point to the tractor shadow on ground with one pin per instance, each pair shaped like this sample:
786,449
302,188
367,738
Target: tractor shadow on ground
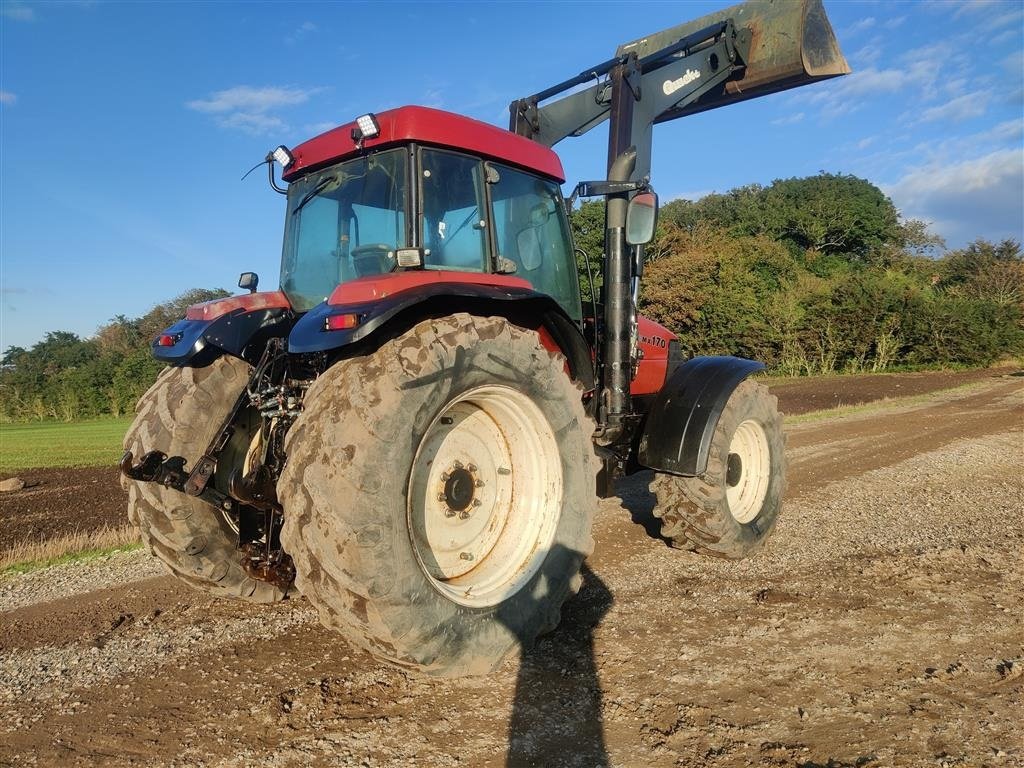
557,717
636,497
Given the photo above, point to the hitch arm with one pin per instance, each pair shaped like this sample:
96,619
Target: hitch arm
156,467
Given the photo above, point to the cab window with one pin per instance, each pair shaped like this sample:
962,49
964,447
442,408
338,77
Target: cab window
532,230
343,223
454,223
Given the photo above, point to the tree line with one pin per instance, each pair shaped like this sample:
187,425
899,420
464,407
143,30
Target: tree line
811,275
821,275
66,377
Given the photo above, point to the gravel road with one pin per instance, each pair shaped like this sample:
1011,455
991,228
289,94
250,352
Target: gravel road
882,626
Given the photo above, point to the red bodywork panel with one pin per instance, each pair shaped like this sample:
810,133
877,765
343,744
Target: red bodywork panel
428,126
372,288
211,310
654,339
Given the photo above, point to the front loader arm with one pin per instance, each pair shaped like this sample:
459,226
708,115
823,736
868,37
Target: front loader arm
749,50
667,80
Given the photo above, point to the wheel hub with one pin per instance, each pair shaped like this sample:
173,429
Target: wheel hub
459,489
734,470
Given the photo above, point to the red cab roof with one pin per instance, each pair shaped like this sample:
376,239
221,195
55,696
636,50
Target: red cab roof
428,126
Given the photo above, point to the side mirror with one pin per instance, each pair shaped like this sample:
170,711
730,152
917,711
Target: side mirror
641,218
248,281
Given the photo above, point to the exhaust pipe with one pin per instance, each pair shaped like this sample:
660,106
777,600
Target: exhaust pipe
791,44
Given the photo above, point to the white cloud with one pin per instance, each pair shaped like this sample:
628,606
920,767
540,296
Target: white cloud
999,13
1007,131
849,93
861,26
1014,63
1007,19
249,99
246,108
920,75
956,87
894,23
789,119
17,11
301,31
867,142
959,109
6,97
868,54
255,124
1005,36
981,197
432,93
973,6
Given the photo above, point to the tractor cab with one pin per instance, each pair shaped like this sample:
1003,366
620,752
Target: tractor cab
421,189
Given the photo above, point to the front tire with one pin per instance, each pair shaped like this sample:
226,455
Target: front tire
732,508
439,494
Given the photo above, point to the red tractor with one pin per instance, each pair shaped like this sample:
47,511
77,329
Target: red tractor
414,430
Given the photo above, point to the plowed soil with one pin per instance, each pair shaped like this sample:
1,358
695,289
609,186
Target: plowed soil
881,627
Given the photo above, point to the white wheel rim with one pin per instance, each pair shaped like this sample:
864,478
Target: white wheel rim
748,471
485,496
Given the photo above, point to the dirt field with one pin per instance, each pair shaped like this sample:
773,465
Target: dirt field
883,626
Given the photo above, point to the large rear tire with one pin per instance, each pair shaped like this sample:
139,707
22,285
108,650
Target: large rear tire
439,494
732,508
179,416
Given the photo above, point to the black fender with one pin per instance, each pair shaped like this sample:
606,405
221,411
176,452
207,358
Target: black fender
203,340
401,310
684,414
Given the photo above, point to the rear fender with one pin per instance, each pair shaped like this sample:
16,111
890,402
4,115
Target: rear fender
392,313
684,415
223,325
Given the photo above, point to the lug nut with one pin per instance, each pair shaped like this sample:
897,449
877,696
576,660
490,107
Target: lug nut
477,502
479,483
463,515
444,477
471,467
441,497
449,512
458,465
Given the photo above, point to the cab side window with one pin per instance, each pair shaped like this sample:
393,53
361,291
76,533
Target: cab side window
532,230
454,222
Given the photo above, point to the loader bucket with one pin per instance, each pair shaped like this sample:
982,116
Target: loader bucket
792,44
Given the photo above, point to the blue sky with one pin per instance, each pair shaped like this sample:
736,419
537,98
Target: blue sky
124,127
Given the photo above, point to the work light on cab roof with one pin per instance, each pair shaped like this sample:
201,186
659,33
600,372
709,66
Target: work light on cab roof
282,156
367,127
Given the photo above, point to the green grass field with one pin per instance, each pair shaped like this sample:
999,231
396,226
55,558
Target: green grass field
52,444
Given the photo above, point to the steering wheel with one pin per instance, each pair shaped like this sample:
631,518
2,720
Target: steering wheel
373,259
